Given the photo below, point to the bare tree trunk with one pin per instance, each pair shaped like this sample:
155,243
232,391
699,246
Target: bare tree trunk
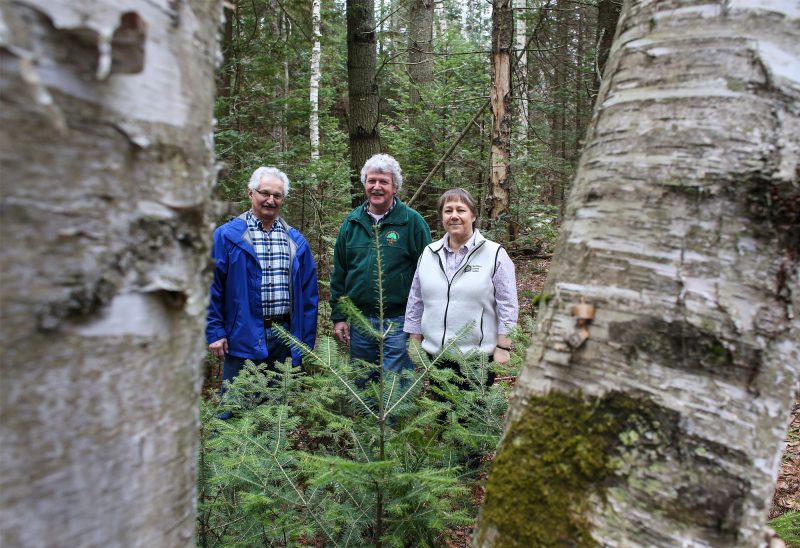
285,26
420,74
502,42
107,164
607,17
521,73
224,75
362,88
316,53
420,52
665,426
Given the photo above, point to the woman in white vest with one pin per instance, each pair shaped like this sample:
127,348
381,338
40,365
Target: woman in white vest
463,278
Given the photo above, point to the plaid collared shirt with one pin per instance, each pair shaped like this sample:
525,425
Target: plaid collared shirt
272,249
376,219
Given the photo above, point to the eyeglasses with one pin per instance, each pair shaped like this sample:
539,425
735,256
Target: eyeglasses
266,194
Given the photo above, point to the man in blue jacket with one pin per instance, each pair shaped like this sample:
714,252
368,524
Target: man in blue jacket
264,276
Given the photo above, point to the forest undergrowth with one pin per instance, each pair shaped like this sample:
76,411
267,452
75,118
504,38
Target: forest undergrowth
464,498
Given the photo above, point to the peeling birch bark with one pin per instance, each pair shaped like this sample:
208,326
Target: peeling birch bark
683,230
107,162
499,193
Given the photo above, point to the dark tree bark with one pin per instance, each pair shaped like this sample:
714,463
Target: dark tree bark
607,17
362,88
107,165
420,73
225,74
420,51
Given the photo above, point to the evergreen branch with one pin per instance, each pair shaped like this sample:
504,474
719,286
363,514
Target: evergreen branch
357,318
358,443
286,475
306,351
391,392
424,360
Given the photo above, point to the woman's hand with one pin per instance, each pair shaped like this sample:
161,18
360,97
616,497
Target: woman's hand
502,352
501,355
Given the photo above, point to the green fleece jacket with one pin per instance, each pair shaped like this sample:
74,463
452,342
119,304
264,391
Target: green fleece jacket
403,236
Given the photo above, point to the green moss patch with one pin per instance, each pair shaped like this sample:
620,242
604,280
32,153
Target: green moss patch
553,458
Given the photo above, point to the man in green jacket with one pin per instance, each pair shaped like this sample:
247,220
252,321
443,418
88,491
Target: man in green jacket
403,236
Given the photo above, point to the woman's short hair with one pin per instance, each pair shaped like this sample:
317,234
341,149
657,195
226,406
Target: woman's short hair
383,163
458,195
261,172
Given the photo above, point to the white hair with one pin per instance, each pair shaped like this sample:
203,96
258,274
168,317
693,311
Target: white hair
260,173
383,163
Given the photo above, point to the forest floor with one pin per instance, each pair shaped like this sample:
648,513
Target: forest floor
531,275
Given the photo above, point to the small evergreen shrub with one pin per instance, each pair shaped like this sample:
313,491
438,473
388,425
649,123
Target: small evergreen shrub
343,453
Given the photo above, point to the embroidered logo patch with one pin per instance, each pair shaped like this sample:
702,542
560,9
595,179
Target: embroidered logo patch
392,237
472,268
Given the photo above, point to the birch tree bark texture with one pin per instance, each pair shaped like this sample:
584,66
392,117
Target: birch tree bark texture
499,195
107,163
664,427
316,53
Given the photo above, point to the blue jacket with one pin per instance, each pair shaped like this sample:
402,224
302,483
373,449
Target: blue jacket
235,310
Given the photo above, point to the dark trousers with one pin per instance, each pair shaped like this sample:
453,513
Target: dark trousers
277,352
454,365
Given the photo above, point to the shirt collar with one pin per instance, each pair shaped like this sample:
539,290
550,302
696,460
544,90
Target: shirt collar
467,247
378,218
255,222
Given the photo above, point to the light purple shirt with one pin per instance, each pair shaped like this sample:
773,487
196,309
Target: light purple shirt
505,289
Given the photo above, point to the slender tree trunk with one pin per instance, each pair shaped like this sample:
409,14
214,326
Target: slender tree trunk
286,32
316,52
362,88
521,74
558,133
607,17
502,42
420,73
578,120
225,75
107,166
420,53
665,426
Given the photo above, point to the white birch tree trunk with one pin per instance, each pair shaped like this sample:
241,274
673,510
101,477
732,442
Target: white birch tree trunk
107,161
316,52
665,427
521,69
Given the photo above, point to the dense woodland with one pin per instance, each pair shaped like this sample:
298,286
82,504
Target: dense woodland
644,153
495,97
423,97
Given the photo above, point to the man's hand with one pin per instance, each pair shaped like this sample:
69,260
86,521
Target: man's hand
219,348
342,332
